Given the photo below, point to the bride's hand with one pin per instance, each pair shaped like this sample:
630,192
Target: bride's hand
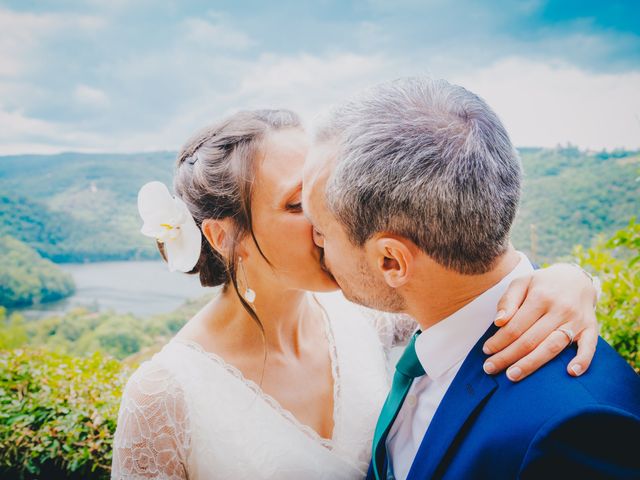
530,313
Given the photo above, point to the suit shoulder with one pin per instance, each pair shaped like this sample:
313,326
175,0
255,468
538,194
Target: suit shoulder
590,442
609,381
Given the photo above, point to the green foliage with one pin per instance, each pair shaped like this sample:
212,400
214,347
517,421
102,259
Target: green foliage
57,414
13,332
570,196
26,278
83,332
616,261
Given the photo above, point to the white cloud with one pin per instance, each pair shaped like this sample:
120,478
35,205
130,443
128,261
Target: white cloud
23,33
20,133
19,36
305,83
224,84
205,34
91,97
541,104
211,68
308,83
544,104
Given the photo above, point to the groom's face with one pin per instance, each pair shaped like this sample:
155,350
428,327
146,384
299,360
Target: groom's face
350,266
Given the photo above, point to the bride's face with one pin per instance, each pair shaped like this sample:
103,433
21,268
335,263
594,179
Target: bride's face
283,232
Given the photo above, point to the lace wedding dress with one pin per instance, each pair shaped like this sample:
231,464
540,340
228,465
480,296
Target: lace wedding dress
186,413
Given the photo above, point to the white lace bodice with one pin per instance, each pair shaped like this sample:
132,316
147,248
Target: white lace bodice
186,413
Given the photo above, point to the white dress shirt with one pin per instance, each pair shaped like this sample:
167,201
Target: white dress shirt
441,350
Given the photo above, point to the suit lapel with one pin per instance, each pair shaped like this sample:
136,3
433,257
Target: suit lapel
470,387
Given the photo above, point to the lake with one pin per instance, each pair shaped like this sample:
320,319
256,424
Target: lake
138,287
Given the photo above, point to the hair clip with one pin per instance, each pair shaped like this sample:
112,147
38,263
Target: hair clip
193,158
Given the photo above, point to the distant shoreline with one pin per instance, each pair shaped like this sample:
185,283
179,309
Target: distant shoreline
142,288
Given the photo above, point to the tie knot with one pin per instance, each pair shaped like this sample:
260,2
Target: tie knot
409,364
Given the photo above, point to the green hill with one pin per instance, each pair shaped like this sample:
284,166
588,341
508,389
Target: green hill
76,207
26,278
79,207
571,196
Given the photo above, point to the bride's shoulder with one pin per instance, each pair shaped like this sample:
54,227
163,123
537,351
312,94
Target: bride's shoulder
160,374
151,379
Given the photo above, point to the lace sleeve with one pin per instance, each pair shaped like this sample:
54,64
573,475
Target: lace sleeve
152,438
394,329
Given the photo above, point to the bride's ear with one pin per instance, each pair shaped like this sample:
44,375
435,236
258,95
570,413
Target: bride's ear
219,234
395,259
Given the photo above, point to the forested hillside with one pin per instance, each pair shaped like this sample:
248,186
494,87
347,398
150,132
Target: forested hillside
82,207
27,278
570,197
79,207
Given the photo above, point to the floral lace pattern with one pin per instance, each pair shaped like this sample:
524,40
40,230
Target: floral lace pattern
152,437
187,413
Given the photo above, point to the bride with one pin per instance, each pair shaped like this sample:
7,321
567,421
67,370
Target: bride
268,380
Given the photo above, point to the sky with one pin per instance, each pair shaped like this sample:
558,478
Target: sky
142,75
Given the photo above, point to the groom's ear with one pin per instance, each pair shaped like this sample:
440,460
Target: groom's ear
395,258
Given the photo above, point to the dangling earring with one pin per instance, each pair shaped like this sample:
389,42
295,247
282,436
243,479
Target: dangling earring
249,295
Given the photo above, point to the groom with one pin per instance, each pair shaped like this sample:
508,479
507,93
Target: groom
412,189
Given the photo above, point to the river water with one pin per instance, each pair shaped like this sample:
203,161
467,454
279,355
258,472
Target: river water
138,287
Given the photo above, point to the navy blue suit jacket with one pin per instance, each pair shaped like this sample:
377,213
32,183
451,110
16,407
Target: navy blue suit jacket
549,425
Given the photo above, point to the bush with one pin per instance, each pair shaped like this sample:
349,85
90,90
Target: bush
616,262
13,332
58,414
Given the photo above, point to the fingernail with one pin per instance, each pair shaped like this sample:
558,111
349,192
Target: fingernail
514,373
501,314
486,350
577,369
489,367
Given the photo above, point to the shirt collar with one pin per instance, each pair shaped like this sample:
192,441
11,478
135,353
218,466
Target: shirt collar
449,341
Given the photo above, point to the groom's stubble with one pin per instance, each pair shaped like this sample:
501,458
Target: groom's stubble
366,287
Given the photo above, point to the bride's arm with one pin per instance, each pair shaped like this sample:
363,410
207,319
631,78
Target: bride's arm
152,438
534,306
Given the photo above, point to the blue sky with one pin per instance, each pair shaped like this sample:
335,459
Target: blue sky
99,75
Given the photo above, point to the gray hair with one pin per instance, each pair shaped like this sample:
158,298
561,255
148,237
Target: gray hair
429,161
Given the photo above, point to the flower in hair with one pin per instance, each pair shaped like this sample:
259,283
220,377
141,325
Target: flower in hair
168,220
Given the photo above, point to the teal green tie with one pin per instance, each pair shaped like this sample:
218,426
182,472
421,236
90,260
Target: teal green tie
407,369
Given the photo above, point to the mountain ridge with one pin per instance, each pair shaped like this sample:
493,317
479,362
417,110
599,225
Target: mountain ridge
569,197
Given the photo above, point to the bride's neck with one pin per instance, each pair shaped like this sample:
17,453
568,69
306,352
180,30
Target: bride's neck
283,315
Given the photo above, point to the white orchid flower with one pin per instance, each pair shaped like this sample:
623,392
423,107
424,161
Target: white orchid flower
168,220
